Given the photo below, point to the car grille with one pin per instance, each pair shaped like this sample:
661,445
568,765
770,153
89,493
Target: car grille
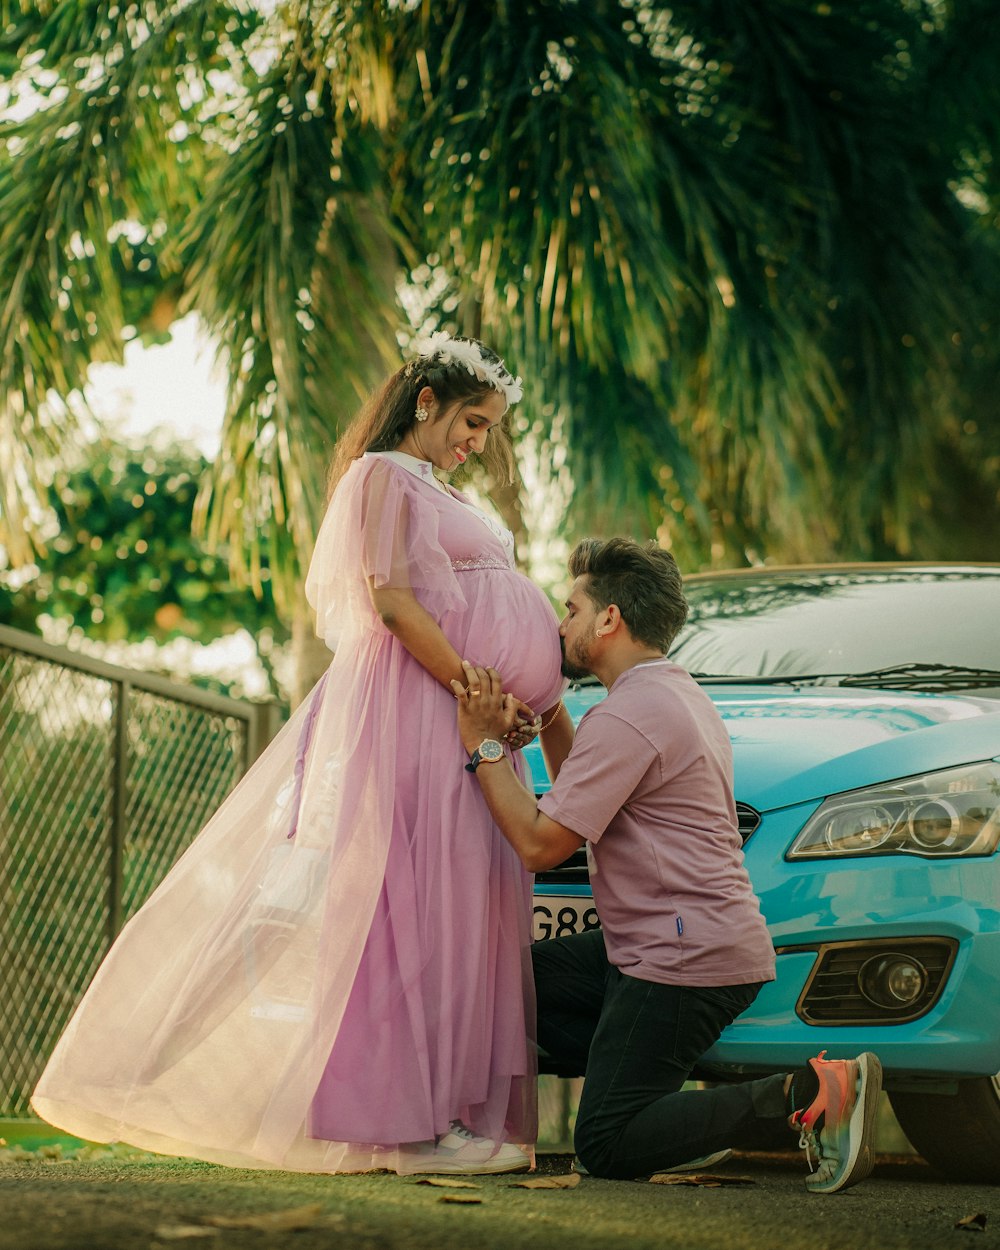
833,994
748,819
572,871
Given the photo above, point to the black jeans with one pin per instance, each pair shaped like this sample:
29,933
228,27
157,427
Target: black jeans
638,1041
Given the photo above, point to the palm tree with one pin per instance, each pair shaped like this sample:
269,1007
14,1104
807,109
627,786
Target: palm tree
723,241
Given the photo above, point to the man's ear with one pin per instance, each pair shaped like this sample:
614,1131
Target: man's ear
611,620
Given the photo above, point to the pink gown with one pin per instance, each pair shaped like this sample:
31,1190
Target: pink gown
337,967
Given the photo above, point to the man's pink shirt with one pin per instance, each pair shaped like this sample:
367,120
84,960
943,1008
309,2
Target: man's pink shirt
648,784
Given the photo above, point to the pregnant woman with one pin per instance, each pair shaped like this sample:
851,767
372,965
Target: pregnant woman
335,975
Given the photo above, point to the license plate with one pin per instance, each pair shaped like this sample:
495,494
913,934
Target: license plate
559,915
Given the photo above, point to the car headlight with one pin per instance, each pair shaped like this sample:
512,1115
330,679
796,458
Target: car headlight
951,813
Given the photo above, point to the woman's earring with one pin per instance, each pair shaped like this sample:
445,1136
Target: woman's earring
422,413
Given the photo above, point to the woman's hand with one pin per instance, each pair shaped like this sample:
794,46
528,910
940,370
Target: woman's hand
524,730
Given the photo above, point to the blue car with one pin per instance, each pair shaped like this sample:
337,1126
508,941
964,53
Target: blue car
863,702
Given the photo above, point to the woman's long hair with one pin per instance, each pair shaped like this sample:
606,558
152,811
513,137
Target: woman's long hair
390,412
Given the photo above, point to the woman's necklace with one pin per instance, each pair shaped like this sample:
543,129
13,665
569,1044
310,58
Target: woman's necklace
426,471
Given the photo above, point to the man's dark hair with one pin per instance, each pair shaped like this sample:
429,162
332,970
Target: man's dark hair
641,579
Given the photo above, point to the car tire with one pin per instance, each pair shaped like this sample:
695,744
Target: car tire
958,1134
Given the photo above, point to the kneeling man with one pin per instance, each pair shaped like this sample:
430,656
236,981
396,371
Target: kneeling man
683,948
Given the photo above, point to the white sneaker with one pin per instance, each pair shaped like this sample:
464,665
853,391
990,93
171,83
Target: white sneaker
461,1153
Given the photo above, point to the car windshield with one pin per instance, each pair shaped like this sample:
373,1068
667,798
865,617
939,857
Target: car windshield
813,623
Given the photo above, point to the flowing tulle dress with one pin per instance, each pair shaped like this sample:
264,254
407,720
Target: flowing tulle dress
337,967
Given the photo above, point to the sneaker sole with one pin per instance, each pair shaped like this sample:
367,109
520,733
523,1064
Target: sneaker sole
861,1129
488,1167
698,1165
693,1165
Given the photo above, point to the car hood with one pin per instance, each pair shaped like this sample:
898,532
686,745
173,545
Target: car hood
794,744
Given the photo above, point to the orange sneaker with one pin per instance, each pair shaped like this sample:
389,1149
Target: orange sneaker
838,1126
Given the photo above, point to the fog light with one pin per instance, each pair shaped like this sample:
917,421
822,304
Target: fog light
892,980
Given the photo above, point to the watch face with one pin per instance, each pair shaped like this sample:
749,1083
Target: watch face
490,750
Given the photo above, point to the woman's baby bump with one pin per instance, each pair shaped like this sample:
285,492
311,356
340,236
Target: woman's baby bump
515,630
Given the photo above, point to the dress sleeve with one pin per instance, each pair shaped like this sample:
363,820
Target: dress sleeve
385,521
377,526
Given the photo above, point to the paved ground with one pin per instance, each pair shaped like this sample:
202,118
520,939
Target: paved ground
119,1201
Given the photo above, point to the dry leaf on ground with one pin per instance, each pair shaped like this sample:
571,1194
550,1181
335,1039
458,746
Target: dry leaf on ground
550,1182
973,1223
707,1180
181,1232
446,1182
462,1199
270,1221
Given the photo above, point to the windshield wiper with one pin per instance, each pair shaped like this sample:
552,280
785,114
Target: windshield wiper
929,677
924,677
759,679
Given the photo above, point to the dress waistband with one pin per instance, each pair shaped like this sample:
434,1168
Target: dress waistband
480,562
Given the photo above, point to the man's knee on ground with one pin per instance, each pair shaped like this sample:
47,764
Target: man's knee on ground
595,1148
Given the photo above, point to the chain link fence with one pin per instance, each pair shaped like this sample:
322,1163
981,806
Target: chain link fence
106,775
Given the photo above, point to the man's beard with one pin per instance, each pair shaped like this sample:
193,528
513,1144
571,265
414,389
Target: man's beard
573,671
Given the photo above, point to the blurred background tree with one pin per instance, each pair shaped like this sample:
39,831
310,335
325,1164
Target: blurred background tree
744,253
120,564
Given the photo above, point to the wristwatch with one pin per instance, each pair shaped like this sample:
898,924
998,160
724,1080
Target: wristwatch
489,751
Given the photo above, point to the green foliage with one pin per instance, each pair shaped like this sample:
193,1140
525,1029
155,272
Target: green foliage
121,564
744,251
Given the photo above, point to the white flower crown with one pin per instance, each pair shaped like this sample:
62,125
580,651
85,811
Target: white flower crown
441,348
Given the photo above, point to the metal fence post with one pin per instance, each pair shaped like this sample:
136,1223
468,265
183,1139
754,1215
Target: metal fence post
266,718
119,800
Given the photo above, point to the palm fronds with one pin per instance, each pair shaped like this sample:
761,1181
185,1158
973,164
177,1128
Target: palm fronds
293,267
745,251
99,163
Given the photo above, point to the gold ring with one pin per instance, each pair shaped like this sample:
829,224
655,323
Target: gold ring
473,693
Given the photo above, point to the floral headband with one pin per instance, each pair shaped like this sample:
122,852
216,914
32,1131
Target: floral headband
441,349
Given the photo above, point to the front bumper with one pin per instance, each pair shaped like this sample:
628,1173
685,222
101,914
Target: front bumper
959,1037
886,901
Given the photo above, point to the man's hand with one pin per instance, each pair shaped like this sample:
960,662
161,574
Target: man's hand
484,711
